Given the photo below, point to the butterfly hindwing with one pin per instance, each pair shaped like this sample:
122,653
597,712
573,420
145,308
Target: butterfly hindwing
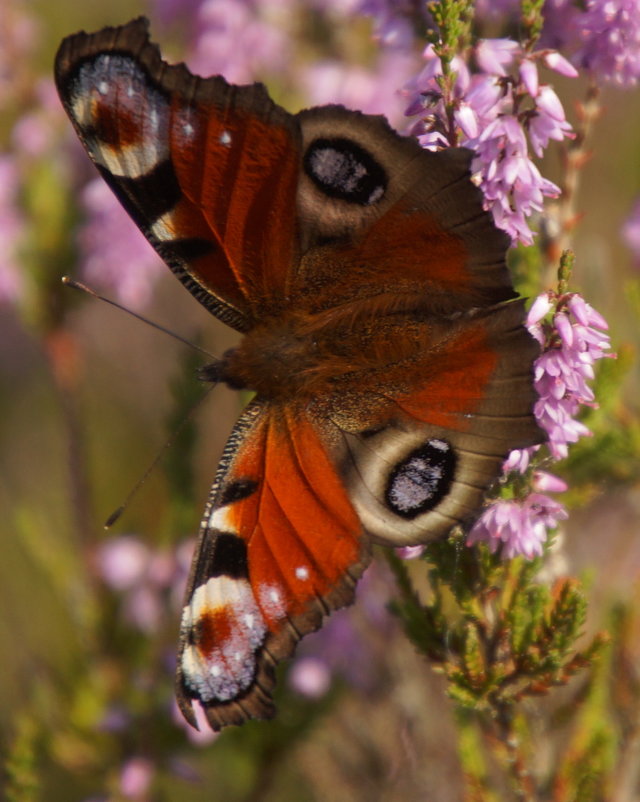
280,547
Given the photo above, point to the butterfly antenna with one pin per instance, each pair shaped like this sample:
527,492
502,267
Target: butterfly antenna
77,285
115,515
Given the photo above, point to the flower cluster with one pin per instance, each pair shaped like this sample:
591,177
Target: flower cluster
498,113
148,581
601,36
572,340
520,526
113,252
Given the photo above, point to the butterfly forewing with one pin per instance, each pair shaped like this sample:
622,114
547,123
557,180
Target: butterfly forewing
392,370
204,168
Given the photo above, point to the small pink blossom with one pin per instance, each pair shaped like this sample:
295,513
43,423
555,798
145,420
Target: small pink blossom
310,677
558,63
494,55
136,777
520,527
519,459
545,482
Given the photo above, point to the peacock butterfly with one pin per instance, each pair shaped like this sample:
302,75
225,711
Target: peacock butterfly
380,333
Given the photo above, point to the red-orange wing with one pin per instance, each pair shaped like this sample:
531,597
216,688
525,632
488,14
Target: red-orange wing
279,548
208,171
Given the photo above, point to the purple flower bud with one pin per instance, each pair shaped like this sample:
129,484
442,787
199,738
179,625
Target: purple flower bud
494,55
539,309
558,63
529,76
547,482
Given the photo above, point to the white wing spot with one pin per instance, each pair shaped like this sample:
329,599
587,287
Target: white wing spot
302,572
249,620
216,670
225,138
103,88
187,129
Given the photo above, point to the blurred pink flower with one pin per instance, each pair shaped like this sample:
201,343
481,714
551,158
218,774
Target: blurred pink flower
136,777
371,90
18,39
602,36
12,230
240,40
151,582
310,677
631,232
609,32
114,252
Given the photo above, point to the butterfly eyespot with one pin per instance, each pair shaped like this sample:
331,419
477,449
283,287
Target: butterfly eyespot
421,480
342,169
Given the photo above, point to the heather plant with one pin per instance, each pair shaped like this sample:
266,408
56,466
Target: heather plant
543,699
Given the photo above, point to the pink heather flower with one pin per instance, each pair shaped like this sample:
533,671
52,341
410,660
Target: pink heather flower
572,343
544,482
18,39
494,55
610,35
136,777
145,578
602,36
12,229
114,252
310,677
498,114
519,527
242,41
392,21
371,90
631,232
519,459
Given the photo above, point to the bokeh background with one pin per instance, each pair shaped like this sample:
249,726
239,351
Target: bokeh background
88,618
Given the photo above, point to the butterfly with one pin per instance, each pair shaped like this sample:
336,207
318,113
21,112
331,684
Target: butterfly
381,336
